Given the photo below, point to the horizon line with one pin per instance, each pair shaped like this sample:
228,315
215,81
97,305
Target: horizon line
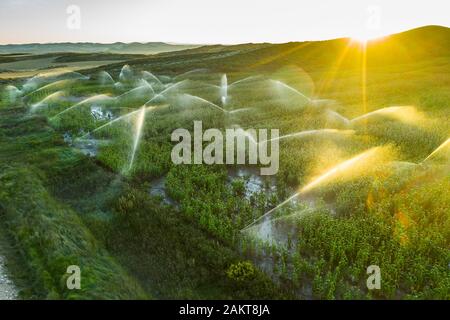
174,43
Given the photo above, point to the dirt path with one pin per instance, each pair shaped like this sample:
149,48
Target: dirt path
8,290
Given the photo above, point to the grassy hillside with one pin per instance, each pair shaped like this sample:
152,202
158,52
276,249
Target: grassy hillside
82,184
50,236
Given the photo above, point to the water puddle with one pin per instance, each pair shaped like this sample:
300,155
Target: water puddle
158,189
88,146
98,113
254,182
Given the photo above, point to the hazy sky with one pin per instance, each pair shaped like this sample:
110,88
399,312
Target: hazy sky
211,21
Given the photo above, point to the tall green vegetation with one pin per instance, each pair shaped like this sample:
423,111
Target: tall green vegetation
61,207
51,237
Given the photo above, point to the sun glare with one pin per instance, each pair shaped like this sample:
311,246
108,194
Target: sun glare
366,36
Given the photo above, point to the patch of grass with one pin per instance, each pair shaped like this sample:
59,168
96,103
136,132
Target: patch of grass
52,237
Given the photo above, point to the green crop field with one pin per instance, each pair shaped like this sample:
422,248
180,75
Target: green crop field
86,176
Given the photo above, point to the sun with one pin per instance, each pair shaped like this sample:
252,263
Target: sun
364,36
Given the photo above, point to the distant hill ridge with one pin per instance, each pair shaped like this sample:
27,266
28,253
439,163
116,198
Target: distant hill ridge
408,46
87,47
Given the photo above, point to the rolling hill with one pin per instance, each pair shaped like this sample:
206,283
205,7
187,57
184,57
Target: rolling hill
118,47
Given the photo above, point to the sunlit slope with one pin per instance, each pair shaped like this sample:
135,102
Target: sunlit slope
408,68
409,46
